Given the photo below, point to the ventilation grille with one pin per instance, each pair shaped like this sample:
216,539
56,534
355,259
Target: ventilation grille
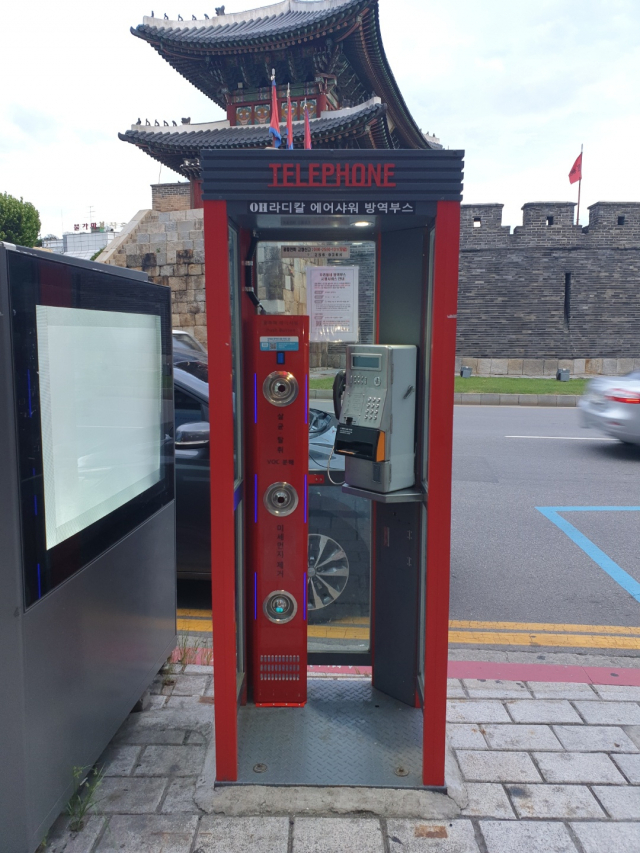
279,668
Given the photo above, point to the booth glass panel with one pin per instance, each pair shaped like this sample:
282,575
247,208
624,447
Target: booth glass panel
236,379
339,573
240,640
427,350
422,598
236,350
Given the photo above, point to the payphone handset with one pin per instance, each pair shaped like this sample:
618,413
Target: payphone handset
376,429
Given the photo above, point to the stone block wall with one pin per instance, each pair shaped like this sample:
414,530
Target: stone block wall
167,197
169,247
551,293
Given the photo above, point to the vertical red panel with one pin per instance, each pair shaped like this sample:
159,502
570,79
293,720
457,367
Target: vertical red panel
277,453
440,446
223,599
196,194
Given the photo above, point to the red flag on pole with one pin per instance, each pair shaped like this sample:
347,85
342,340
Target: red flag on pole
307,127
274,128
289,120
576,171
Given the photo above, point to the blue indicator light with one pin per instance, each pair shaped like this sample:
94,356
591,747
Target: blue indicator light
280,358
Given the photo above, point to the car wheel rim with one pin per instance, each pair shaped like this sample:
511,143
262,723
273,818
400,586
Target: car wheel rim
328,571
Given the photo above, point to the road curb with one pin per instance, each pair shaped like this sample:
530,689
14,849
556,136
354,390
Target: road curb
560,400
464,399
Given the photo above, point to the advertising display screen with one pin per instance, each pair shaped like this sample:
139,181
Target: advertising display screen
94,403
100,393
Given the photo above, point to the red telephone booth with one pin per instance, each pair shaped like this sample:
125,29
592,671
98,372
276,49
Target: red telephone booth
272,725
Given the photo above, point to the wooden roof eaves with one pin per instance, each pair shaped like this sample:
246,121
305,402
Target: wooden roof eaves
368,43
296,35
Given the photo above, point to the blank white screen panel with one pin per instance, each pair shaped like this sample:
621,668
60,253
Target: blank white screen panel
100,378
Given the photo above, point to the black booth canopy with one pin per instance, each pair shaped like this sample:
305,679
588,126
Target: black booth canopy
337,194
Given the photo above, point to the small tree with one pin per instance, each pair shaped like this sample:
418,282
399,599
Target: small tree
19,221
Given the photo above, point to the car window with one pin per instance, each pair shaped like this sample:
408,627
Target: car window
188,409
199,369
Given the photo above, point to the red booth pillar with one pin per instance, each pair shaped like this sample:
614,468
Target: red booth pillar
440,448
223,603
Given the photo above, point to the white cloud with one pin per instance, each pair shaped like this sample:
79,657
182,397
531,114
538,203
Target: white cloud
519,86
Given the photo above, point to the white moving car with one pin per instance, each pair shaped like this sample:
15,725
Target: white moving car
611,404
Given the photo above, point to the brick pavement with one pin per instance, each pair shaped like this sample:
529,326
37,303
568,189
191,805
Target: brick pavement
546,767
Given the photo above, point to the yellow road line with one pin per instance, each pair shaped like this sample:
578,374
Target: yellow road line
199,626
467,632
336,633
505,638
545,626
352,621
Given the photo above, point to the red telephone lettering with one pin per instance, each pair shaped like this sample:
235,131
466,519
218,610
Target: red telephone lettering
327,169
287,172
342,172
274,169
358,175
374,175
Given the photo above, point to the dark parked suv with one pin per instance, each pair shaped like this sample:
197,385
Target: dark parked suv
339,524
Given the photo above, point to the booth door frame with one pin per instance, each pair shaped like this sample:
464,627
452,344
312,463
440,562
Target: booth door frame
440,443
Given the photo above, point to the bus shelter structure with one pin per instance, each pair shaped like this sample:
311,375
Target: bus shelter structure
391,732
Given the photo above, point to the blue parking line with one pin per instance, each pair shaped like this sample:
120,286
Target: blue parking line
628,583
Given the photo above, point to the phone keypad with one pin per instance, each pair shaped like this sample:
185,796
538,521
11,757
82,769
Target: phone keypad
372,409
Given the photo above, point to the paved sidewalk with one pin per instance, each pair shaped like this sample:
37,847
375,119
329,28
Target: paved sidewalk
547,767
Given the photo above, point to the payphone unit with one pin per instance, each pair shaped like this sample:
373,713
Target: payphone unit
376,430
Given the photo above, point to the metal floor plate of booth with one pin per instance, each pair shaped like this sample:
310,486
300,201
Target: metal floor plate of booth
348,734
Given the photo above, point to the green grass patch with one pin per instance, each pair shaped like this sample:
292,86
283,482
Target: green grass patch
325,382
493,385
517,385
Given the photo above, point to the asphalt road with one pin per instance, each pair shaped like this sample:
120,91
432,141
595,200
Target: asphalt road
517,579
510,563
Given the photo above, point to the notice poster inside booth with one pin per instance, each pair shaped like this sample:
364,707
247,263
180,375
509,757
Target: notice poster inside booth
332,304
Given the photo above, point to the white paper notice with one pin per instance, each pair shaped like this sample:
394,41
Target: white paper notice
332,304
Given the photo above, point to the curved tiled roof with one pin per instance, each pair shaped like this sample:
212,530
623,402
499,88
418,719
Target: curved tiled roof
365,124
281,20
203,51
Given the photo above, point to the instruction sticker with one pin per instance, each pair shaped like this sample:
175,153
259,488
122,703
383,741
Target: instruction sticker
279,343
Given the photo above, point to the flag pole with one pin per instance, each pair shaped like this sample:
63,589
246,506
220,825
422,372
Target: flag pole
579,187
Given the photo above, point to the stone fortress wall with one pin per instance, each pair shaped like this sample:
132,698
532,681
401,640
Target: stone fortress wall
549,294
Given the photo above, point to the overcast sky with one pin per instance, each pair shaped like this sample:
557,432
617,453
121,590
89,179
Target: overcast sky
517,85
